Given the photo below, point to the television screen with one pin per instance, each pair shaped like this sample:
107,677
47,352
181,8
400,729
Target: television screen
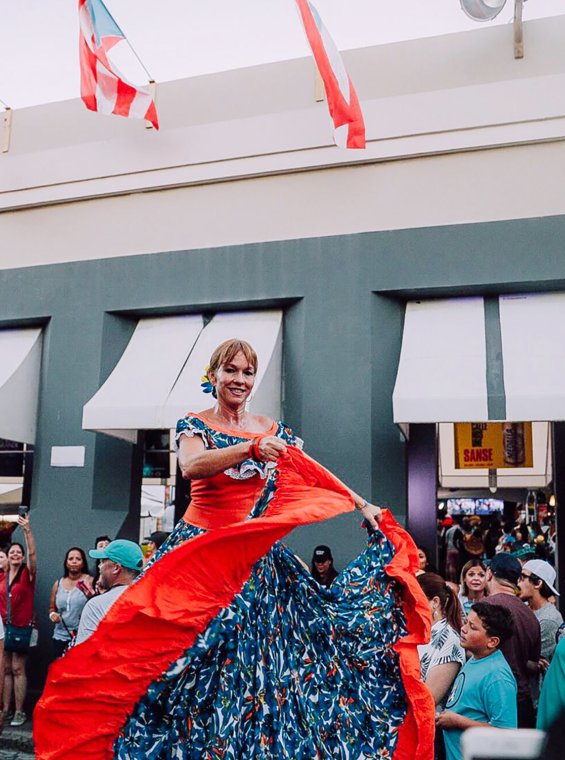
474,506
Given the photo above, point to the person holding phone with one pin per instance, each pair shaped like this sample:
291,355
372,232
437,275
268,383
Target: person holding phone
68,597
20,586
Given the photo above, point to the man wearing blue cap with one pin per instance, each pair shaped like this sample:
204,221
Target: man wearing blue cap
503,575
120,563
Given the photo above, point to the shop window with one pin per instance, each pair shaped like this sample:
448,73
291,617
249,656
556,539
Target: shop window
157,455
11,459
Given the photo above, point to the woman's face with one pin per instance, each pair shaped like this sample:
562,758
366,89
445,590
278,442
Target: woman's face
74,562
476,579
3,560
15,556
422,559
234,381
323,566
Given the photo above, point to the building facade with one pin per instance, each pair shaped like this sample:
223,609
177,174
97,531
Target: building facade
242,204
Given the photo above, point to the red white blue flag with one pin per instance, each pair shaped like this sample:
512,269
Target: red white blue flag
102,87
341,96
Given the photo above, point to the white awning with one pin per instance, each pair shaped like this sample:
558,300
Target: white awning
134,395
533,350
158,378
20,367
442,369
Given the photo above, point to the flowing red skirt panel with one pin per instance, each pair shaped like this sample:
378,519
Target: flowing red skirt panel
93,689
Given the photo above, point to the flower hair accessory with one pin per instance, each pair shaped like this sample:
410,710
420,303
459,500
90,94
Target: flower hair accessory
205,383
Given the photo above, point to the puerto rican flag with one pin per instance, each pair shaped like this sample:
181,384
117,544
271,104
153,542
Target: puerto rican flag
341,96
102,86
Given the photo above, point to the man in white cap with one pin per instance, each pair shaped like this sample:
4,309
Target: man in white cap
121,562
537,586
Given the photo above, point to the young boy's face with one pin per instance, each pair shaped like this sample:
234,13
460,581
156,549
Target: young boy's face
474,637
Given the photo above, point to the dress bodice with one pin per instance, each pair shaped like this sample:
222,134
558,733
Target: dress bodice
229,496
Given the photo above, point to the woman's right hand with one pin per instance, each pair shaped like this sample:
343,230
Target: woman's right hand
54,617
270,448
372,514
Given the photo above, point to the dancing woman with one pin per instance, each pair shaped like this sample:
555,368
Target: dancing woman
227,647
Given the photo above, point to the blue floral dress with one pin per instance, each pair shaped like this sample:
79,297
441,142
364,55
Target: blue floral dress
289,669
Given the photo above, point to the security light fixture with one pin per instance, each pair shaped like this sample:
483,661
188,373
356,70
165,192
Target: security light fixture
487,10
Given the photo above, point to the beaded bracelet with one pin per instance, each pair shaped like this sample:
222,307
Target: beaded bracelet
255,453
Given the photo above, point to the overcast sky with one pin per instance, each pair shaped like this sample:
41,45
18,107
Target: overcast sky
183,38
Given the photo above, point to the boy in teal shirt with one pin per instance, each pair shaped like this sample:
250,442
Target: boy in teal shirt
484,692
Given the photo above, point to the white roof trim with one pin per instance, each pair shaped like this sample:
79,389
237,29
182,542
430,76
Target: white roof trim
158,378
442,368
20,367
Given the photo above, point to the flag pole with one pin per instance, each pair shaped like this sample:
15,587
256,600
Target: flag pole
151,82
133,50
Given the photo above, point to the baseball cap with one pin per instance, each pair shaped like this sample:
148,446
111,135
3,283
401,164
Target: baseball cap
321,554
523,551
158,537
121,551
506,566
543,570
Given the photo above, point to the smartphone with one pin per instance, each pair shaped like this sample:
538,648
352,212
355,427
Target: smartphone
502,744
85,588
23,510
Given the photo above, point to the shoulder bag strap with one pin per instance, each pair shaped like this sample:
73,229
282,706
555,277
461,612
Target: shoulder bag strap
8,617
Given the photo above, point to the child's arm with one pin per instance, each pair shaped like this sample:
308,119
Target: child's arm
448,719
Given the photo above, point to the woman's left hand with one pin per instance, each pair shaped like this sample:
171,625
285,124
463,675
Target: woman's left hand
372,514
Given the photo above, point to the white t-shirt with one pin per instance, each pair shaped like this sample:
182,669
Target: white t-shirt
94,610
1,629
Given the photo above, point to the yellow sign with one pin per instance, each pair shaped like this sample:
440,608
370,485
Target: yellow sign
494,445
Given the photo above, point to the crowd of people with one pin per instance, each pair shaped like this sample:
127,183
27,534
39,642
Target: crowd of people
323,647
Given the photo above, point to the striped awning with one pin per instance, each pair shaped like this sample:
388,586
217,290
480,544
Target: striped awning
482,359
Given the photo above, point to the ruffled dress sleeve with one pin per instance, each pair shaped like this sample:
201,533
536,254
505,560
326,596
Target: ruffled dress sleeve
191,426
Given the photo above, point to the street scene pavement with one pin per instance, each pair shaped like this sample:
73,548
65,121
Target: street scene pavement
16,743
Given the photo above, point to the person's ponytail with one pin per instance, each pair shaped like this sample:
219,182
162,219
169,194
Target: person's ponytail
453,609
434,585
